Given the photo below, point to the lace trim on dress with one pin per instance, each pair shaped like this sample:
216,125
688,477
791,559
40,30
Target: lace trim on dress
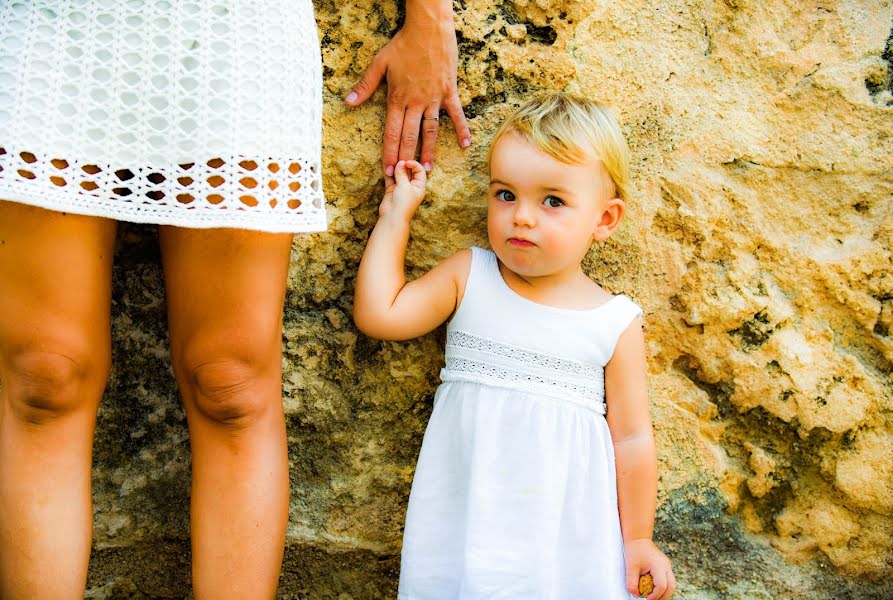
460,369
476,359
461,339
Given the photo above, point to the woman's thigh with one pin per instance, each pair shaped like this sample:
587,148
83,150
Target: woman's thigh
225,292
55,277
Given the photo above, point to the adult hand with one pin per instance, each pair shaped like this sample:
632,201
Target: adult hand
420,66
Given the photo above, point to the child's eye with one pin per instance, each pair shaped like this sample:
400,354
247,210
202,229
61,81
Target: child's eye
505,196
553,201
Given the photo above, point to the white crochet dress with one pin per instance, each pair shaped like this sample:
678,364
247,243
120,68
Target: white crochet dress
196,113
514,495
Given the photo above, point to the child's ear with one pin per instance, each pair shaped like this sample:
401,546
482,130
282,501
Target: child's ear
609,220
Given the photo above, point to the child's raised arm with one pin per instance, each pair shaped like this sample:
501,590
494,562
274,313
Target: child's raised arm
626,393
385,306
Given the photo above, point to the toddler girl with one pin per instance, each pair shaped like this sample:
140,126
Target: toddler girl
537,475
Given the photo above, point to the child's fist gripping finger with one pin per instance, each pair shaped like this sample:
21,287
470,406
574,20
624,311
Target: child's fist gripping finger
403,193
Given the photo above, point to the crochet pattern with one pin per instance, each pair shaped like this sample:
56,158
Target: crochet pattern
198,113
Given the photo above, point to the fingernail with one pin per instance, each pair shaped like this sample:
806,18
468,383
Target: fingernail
466,142
427,166
389,171
351,97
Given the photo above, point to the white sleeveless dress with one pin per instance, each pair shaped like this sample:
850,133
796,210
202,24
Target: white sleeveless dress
196,113
514,494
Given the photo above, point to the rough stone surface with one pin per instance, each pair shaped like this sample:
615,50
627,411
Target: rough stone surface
758,240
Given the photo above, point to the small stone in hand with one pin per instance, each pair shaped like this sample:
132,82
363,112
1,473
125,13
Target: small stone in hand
646,585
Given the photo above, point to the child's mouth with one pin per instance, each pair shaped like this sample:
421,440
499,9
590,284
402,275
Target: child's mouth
521,243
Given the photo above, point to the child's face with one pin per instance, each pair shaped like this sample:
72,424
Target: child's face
543,214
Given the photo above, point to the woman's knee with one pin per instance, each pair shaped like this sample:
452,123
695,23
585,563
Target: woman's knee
230,389
43,386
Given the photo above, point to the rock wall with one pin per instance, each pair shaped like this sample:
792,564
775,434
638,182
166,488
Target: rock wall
758,240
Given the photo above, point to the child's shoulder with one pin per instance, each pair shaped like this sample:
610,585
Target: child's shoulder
460,260
597,294
459,266
594,294
456,269
624,307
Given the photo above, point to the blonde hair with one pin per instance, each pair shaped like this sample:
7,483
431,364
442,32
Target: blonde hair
573,130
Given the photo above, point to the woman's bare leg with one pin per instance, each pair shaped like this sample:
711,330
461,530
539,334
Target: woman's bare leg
55,277
226,290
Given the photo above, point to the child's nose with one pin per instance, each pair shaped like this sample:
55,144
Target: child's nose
523,214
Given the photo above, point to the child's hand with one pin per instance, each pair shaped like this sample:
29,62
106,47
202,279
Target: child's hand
402,194
642,556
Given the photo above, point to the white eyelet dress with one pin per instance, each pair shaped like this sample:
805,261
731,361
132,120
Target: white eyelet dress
195,113
514,494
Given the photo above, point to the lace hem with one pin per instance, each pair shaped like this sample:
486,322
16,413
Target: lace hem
266,194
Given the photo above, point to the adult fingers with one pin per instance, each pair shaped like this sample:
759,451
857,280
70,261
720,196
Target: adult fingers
393,128
430,125
454,109
409,138
369,82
